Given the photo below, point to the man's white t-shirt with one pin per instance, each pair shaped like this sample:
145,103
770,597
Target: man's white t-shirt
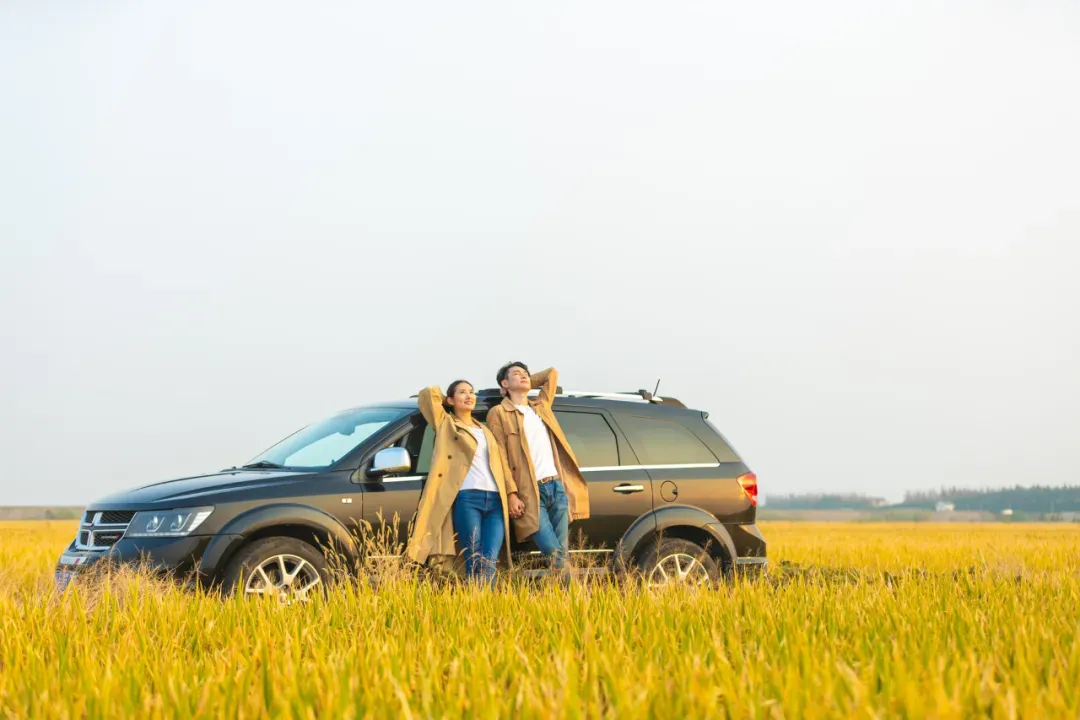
536,434
479,476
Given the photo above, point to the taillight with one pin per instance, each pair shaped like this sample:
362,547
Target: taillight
748,482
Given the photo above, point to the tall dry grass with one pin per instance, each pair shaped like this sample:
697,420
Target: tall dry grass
854,620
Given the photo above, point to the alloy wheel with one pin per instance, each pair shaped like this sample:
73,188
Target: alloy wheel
289,578
679,568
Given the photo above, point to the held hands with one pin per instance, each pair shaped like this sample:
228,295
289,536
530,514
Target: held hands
514,507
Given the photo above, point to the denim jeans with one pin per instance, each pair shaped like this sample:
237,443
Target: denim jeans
478,522
552,537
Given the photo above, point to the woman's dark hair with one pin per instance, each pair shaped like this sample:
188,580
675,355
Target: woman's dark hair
450,392
505,370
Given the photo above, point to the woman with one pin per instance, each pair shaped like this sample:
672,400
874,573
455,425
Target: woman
466,489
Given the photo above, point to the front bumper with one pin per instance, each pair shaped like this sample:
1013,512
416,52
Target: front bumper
202,554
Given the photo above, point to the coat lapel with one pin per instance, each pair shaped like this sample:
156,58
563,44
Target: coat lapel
465,432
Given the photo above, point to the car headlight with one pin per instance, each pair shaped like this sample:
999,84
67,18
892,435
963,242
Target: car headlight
167,523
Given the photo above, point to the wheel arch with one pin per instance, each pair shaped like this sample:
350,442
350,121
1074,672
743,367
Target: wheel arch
301,522
678,521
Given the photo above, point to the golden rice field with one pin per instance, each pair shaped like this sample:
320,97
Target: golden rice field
854,621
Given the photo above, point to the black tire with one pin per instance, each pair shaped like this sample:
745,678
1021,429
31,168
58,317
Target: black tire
302,561
661,562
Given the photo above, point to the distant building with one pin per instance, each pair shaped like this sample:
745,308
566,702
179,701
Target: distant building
945,507
1007,512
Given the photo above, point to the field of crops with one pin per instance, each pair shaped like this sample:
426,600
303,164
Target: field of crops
854,620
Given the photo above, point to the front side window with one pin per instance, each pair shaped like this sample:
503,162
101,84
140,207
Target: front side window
322,444
662,442
420,442
591,438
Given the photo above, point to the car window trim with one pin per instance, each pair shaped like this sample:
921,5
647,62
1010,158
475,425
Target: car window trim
673,466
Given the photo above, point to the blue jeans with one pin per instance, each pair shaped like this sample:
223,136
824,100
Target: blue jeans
478,522
552,537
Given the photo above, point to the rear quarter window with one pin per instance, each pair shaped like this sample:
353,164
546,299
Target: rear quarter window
663,442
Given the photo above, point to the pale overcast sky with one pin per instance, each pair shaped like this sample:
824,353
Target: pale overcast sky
848,229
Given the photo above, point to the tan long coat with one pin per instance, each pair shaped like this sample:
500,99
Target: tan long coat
508,427
451,458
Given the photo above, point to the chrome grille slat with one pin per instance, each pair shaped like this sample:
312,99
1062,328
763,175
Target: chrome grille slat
97,534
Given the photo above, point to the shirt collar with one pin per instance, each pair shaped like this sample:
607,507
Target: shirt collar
509,404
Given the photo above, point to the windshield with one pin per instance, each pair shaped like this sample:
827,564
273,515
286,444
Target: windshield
322,444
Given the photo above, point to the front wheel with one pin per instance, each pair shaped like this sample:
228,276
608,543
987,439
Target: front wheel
283,568
677,561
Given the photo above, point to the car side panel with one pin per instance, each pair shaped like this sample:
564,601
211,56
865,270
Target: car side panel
390,506
617,497
714,489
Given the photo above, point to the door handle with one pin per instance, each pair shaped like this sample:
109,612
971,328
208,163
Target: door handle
627,489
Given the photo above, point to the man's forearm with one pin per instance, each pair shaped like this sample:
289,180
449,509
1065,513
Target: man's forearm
539,378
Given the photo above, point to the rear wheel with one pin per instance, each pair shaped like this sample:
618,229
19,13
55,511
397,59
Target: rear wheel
676,561
284,568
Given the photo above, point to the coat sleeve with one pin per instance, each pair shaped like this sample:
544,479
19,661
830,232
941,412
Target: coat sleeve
548,382
431,405
495,425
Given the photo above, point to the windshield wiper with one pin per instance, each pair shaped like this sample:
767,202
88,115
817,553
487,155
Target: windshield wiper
264,464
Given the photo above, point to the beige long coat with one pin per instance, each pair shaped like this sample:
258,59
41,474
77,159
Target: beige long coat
507,425
433,532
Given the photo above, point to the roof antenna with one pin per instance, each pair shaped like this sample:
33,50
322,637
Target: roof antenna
651,397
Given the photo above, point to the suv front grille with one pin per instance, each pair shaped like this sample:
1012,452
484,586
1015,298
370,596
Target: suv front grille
106,539
116,517
101,529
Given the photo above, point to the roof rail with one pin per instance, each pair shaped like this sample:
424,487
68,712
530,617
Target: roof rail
608,395
495,392
639,396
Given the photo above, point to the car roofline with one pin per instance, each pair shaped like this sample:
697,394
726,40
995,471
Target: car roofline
609,403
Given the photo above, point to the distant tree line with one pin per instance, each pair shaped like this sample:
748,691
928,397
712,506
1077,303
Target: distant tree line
1041,499
822,501
1036,500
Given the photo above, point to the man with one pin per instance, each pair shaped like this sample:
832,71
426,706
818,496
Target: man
550,488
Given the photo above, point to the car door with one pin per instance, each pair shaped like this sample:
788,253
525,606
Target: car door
390,502
683,470
619,491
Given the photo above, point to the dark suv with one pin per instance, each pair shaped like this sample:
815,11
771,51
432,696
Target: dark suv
669,496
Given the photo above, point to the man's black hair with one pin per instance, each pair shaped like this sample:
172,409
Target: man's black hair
505,370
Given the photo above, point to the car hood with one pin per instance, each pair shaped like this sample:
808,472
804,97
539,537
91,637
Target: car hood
198,490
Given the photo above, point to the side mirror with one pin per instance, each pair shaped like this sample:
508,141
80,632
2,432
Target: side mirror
389,461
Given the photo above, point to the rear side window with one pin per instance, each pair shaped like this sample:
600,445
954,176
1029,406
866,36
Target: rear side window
662,442
591,438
